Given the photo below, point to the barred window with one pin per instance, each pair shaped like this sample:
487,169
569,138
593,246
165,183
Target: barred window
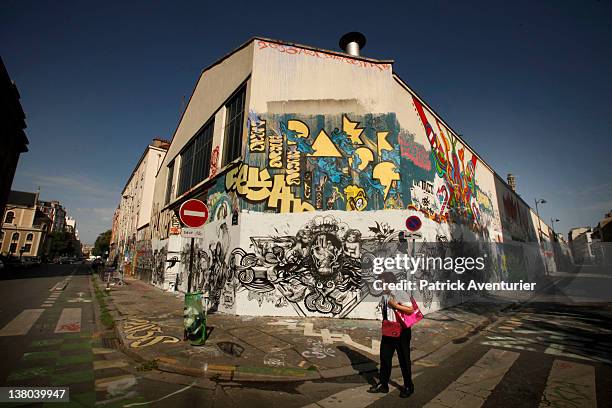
185,172
195,159
169,182
233,126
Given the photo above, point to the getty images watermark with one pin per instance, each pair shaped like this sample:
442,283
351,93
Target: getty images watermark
412,264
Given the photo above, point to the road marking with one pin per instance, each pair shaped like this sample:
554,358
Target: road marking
130,394
69,321
518,343
560,350
570,385
99,350
80,299
357,397
475,385
21,324
115,386
102,364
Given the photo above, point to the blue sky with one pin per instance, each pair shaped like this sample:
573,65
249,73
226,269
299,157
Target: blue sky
528,84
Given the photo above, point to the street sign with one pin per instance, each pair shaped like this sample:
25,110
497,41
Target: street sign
413,223
193,213
192,232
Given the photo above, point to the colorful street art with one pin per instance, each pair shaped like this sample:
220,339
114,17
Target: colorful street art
296,164
458,194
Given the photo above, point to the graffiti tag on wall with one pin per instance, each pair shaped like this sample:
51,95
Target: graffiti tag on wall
291,50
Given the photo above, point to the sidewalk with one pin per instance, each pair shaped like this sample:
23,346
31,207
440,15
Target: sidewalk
149,324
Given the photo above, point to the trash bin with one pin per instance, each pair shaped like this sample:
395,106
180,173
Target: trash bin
194,319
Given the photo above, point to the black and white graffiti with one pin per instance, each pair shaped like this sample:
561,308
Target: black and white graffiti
325,268
159,266
211,272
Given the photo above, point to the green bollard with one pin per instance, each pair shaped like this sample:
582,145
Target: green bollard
194,319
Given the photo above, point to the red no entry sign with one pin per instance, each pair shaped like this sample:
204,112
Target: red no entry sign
193,213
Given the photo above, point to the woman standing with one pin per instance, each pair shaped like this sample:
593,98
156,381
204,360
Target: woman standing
390,302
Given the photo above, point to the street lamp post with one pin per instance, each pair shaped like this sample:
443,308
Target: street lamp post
552,224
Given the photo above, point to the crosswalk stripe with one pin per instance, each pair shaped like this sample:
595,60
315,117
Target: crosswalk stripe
99,350
103,364
69,321
356,397
570,385
475,385
21,324
115,385
561,350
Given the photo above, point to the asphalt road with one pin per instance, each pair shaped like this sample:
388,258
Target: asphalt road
554,351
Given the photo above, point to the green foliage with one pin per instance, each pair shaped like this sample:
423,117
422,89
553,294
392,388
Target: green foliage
102,244
105,316
61,244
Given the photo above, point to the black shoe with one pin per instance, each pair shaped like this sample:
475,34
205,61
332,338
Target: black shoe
379,389
406,392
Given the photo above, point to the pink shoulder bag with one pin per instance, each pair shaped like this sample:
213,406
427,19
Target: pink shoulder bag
408,320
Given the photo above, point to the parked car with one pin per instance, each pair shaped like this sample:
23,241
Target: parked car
12,262
27,261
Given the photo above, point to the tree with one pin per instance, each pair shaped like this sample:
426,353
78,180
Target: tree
60,244
102,243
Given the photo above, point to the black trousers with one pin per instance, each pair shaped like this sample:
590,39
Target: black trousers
388,347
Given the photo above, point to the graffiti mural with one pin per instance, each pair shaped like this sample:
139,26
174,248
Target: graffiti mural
326,267
458,193
297,163
211,272
144,263
516,219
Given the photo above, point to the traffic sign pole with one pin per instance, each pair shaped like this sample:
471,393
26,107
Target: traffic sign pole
190,266
193,213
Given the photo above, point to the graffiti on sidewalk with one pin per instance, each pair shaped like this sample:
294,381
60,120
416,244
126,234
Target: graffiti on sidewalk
275,358
328,337
145,334
318,349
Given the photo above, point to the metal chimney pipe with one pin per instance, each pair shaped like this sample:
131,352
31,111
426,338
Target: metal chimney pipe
352,43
